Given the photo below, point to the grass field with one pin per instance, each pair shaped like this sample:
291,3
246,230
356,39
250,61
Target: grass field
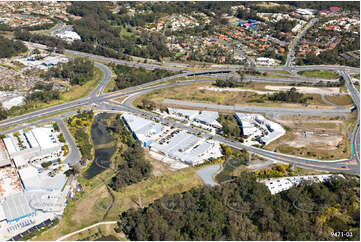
102,232
96,204
320,74
89,210
340,100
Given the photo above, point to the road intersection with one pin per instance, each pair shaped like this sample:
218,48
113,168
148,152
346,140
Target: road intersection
105,102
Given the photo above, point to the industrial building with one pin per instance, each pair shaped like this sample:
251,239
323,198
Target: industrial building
175,144
277,185
36,144
184,113
247,124
142,129
42,64
16,207
208,118
187,148
39,179
258,127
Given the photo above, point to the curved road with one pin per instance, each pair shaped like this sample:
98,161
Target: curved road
104,101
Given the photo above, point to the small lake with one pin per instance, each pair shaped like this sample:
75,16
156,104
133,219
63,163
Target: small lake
103,144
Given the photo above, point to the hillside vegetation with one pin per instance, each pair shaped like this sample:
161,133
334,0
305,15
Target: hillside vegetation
244,209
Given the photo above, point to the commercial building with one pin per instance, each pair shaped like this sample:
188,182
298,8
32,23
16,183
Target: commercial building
305,11
277,185
43,180
258,127
208,118
142,129
187,148
16,207
173,143
69,36
36,144
266,61
184,113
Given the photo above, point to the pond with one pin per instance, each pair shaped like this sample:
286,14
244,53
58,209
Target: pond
103,144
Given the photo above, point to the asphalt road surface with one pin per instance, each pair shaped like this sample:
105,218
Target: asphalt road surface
345,165
259,109
104,102
291,53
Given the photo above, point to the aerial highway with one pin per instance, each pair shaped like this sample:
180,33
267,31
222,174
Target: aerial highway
186,68
104,102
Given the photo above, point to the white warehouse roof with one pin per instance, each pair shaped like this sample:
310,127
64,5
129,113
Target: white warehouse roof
184,112
208,117
45,138
143,128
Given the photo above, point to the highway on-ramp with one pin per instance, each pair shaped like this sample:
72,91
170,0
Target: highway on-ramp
104,101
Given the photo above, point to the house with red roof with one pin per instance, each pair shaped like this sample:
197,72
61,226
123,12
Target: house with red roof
334,9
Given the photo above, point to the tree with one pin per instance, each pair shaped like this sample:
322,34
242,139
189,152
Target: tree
148,104
56,127
11,48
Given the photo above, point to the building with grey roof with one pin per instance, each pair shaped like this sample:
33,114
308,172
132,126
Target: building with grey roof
208,118
187,148
277,185
32,144
186,113
16,207
143,129
36,179
255,125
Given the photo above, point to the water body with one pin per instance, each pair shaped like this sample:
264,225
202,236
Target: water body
207,174
103,143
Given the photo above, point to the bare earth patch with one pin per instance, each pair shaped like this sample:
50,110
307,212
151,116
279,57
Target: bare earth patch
325,142
307,90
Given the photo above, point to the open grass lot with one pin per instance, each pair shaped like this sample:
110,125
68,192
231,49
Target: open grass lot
74,93
313,137
193,92
320,74
340,100
102,232
92,206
